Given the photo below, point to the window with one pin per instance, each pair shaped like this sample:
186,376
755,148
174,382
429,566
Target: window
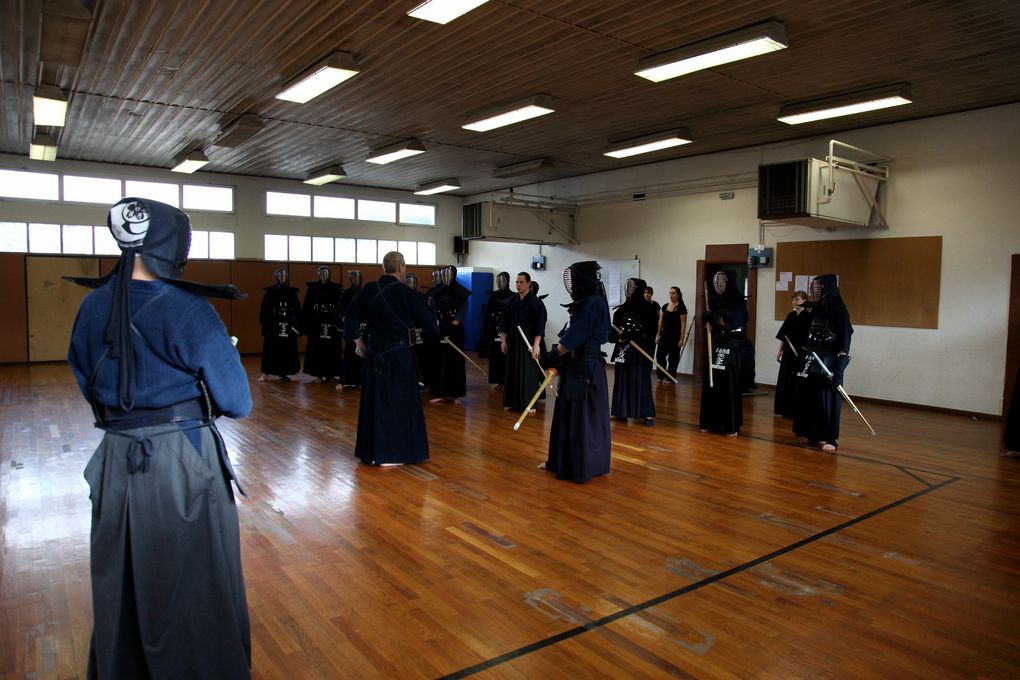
276,247
13,237
426,253
367,253
44,238
298,205
385,247
332,206
216,199
409,249
322,249
199,245
157,191
418,213
345,250
299,248
92,189
377,211
38,185
221,245
106,244
77,239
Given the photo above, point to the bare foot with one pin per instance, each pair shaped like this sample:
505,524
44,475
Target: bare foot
732,434
339,388
436,400
704,430
532,411
455,401
262,378
541,466
389,464
828,447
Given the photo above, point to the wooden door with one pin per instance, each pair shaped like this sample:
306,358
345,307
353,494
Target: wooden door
13,310
1012,336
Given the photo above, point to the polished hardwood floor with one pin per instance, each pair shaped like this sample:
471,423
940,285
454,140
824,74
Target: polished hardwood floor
698,556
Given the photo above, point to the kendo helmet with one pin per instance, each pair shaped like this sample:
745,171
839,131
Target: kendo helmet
502,280
281,275
411,280
323,273
448,275
354,277
581,279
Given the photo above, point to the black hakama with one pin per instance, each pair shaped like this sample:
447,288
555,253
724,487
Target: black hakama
722,408
167,588
449,375
579,441
280,356
632,386
1011,434
786,385
819,403
391,422
522,374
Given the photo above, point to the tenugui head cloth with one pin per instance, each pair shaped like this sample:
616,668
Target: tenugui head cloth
161,235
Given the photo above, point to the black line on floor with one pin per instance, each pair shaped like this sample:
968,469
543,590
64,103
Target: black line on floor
907,471
623,613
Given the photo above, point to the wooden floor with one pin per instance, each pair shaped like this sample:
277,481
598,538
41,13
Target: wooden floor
699,556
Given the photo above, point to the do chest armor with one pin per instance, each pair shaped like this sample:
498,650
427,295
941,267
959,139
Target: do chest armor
819,333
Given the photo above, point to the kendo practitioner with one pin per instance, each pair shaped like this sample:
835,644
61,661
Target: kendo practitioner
722,410
157,366
321,314
579,441
492,338
427,355
391,422
819,402
449,302
523,376
280,317
793,331
638,320
1011,432
417,338
352,362
672,331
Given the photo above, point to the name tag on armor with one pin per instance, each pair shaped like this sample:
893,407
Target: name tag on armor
719,355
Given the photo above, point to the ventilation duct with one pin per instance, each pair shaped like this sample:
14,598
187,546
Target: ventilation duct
837,193
518,222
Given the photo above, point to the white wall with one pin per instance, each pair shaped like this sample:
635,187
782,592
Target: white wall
957,176
248,221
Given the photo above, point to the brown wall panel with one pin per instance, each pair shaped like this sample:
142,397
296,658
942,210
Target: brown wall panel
215,272
250,278
53,303
884,281
13,309
1012,336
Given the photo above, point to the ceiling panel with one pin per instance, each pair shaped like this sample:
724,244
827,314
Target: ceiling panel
156,78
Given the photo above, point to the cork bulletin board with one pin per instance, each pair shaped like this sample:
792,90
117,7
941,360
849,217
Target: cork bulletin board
884,281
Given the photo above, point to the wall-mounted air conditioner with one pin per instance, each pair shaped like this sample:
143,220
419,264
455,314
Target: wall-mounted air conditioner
518,222
829,194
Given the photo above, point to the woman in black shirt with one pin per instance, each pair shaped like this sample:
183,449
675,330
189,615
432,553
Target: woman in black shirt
671,333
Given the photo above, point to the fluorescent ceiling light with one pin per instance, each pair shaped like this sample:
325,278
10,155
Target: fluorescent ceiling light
437,187
649,143
507,114
326,175
49,106
522,167
444,11
189,162
845,104
239,131
394,152
328,73
734,46
43,148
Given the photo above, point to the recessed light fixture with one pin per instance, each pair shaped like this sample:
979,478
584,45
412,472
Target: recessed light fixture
49,106
649,143
522,167
507,114
326,175
443,11
437,187
43,148
722,49
845,104
327,74
394,152
189,162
